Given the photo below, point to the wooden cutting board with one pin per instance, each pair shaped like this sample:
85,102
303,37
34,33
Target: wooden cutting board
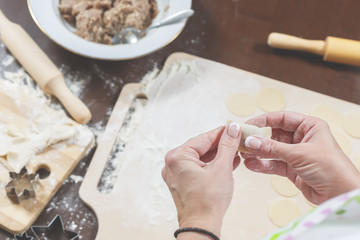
59,161
185,99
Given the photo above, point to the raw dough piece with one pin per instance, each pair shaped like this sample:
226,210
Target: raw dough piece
327,113
283,211
270,100
351,124
28,126
283,186
343,142
241,104
251,130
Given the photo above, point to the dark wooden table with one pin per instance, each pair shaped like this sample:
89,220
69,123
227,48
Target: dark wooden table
233,32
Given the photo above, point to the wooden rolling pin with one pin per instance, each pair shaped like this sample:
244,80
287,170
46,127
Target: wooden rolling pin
41,68
338,50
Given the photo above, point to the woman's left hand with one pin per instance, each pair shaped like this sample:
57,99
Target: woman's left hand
199,176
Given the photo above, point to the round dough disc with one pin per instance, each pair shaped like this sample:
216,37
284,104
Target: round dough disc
283,186
327,113
270,100
351,124
343,142
241,104
283,211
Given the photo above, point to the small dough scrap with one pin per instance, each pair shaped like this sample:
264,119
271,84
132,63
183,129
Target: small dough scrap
351,124
283,211
241,104
270,100
251,130
329,114
283,186
343,141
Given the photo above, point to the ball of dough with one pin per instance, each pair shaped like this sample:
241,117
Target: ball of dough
241,104
343,141
283,186
327,113
351,124
283,211
270,100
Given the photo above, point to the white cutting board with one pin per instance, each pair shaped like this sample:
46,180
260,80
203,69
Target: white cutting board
187,98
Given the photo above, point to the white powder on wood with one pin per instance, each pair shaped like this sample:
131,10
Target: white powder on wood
8,60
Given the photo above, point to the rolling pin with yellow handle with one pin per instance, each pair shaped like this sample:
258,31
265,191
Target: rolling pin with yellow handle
41,68
338,50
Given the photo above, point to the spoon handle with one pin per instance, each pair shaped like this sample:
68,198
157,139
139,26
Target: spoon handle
174,18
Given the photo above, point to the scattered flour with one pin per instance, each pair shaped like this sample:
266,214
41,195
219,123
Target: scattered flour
132,119
76,179
8,60
76,215
76,80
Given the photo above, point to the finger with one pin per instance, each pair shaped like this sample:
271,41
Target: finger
236,163
205,142
163,174
228,145
266,166
268,148
175,157
288,121
282,136
209,156
249,155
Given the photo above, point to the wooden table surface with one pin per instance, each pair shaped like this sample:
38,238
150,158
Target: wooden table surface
233,32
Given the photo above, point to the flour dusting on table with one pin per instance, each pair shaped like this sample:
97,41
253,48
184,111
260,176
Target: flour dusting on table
164,123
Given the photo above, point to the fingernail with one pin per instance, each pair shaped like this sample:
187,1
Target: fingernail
234,130
253,143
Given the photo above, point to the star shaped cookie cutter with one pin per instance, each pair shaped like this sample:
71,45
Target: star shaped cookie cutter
54,231
21,186
23,236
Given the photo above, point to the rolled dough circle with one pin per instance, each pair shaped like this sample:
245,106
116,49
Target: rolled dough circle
343,142
270,100
283,186
327,113
283,211
351,124
241,104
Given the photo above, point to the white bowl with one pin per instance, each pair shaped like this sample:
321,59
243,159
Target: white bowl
47,16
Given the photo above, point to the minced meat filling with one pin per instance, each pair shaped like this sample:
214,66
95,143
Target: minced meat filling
99,20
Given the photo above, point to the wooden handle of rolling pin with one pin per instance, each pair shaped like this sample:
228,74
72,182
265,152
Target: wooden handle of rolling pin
41,68
284,41
338,50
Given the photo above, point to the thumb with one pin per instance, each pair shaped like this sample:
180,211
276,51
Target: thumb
267,148
228,145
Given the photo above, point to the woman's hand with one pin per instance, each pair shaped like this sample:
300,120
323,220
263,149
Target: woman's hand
304,150
199,176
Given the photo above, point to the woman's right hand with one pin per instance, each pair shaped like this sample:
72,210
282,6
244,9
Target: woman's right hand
303,149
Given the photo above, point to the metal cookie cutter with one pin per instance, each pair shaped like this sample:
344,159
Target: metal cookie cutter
21,186
23,236
54,231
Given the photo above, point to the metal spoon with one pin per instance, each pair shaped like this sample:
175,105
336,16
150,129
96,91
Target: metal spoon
132,35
